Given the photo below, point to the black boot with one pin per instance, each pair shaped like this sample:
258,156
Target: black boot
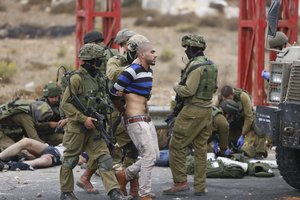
68,196
116,194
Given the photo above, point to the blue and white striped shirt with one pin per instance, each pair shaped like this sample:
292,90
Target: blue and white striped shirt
134,79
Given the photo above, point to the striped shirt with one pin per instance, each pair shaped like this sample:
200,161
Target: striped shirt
134,79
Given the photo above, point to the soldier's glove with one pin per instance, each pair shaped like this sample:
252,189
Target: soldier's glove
265,75
227,152
240,141
216,146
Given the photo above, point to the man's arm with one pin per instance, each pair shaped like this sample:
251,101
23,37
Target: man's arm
68,108
191,85
27,122
114,68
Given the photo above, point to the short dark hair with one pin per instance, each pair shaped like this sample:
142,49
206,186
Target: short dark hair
226,91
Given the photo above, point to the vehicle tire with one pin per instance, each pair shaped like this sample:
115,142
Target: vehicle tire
288,161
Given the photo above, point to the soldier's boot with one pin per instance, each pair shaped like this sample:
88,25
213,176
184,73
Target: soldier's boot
68,196
177,188
116,194
85,182
148,197
121,177
134,187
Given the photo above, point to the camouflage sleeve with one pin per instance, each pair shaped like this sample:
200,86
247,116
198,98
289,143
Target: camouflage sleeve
67,107
26,121
222,127
114,68
191,85
248,112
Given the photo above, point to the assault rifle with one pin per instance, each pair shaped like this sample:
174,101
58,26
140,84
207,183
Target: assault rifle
171,117
179,100
91,112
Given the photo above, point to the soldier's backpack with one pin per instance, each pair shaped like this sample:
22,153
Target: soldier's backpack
39,110
217,169
260,169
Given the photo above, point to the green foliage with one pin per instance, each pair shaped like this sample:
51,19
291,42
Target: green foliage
7,69
166,54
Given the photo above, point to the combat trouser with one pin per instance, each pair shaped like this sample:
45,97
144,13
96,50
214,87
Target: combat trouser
76,143
193,125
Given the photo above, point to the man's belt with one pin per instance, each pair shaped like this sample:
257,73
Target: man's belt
140,118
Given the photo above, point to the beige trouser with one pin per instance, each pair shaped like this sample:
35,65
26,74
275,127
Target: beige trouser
144,137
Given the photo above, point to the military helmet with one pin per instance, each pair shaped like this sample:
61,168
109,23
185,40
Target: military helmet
91,51
193,41
51,90
230,107
93,36
278,41
124,35
135,41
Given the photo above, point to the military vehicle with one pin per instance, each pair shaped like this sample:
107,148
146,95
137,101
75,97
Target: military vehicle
281,119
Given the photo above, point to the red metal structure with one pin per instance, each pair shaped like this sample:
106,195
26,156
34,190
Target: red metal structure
86,14
251,47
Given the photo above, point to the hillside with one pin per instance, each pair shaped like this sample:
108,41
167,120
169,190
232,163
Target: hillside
38,56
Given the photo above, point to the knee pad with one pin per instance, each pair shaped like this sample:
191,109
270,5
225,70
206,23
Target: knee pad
70,162
105,162
131,151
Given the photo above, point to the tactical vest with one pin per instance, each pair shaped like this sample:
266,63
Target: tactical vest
208,82
208,79
39,111
94,91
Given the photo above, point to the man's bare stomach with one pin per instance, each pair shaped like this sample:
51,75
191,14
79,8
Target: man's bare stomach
135,105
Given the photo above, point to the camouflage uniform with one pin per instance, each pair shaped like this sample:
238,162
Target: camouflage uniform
220,127
20,119
243,124
45,132
87,82
193,125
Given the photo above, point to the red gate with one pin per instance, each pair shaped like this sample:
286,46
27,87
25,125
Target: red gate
110,13
251,47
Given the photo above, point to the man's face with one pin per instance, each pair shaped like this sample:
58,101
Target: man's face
53,100
150,56
123,48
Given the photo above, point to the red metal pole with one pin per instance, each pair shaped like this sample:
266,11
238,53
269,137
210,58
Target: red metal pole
85,20
251,48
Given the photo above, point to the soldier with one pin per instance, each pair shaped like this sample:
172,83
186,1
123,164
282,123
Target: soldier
89,88
118,63
278,42
18,119
193,125
135,85
51,131
235,114
97,38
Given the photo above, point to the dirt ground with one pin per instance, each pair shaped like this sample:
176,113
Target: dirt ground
37,59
